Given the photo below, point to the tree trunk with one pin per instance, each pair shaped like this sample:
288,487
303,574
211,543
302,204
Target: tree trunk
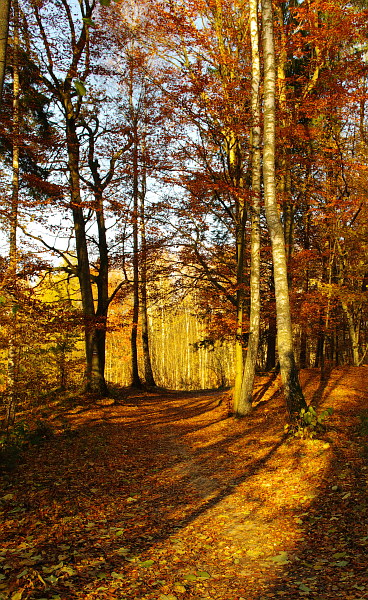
284,176
4,26
94,374
245,400
303,348
64,91
148,372
102,294
289,373
238,351
12,270
136,381
306,246
234,158
102,281
271,343
354,330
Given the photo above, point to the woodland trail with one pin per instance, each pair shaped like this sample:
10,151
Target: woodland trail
163,496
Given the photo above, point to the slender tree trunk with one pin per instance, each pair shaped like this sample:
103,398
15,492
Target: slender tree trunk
353,320
245,400
319,359
354,330
148,372
234,162
234,157
102,295
64,91
102,279
94,377
4,26
303,348
337,347
285,176
16,133
306,245
136,381
238,349
293,393
271,343
12,270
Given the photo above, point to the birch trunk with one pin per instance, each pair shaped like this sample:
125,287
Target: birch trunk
245,399
285,176
289,373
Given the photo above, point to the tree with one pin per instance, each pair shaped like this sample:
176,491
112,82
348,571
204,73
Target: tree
65,75
293,393
207,88
147,363
13,259
244,403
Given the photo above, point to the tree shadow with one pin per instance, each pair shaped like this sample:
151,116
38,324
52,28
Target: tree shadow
330,558
266,385
135,476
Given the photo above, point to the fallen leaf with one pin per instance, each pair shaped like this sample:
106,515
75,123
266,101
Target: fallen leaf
190,577
203,575
8,497
115,575
280,559
146,563
304,588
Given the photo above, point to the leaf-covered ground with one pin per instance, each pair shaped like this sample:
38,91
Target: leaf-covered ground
163,496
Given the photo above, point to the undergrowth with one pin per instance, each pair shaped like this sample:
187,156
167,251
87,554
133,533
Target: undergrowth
309,423
18,437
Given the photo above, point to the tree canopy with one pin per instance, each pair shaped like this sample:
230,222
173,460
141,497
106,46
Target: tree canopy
141,130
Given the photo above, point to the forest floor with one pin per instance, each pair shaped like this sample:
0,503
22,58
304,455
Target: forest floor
164,496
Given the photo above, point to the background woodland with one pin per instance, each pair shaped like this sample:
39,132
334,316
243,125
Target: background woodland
128,200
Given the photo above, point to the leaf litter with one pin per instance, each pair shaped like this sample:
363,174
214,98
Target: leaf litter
163,496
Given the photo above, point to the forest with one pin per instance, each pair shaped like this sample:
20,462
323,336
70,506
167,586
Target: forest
165,175
183,273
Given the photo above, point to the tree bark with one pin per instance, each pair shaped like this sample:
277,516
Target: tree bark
94,374
245,400
136,381
271,343
285,175
235,173
4,26
148,371
13,259
102,278
64,92
354,331
102,281
289,373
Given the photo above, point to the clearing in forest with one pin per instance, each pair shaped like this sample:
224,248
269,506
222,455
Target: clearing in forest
163,496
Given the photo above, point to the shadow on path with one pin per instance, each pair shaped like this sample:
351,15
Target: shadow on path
137,477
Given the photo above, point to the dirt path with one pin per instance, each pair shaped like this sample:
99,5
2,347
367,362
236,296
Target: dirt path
163,496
